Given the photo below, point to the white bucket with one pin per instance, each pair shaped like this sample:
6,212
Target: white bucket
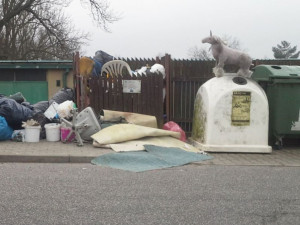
32,133
52,131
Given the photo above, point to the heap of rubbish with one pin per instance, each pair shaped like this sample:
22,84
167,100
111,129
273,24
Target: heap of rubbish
59,120
16,114
19,119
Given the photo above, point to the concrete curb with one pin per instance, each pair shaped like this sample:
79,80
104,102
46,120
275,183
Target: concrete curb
57,152
44,159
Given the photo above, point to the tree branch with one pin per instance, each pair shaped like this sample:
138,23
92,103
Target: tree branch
19,7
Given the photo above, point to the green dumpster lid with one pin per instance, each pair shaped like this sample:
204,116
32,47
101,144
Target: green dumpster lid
267,72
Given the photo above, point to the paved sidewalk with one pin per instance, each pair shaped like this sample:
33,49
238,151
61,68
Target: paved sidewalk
284,157
58,152
48,152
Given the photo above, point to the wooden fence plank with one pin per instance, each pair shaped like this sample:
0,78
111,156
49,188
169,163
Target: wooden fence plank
154,96
139,96
119,93
100,95
109,93
134,98
105,93
127,98
93,92
143,96
158,109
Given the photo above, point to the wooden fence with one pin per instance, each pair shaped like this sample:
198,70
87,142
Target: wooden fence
186,77
107,93
183,79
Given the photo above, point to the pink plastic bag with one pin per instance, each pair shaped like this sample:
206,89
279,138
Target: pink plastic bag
172,126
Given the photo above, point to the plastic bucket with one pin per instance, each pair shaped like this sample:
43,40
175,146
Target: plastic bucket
64,132
32,133
52,131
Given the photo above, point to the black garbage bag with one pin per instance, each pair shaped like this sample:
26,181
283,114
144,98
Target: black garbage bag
18,97
28,105
102,57
13,112
42,106
63,95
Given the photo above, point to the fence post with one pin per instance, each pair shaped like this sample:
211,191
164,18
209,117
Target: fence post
76,80
167,70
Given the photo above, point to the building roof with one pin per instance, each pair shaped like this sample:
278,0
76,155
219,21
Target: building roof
36,64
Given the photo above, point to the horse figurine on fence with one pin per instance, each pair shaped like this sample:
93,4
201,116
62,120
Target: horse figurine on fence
226,55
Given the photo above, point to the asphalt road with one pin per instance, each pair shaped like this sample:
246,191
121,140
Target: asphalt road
193,194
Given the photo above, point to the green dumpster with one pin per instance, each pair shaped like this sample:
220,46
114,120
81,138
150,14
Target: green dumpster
282,87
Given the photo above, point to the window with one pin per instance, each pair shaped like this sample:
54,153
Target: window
23,75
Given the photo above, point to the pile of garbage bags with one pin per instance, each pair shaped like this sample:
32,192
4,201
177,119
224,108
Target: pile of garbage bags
14,110
91,66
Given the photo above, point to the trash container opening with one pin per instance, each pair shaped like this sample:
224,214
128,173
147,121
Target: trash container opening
239,80
276,67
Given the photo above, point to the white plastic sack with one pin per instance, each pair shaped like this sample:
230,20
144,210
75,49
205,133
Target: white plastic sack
64,109
158,68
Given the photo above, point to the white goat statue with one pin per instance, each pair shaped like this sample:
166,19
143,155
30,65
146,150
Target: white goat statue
225,55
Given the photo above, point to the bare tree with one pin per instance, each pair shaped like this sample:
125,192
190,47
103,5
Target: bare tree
37,29
100,10
231,42
197,53
101,13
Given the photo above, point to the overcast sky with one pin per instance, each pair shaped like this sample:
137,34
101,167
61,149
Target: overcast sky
149,28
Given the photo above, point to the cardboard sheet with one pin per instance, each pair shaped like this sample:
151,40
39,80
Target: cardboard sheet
138,145
127,132
133,118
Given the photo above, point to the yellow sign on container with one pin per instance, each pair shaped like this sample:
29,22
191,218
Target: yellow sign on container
241,103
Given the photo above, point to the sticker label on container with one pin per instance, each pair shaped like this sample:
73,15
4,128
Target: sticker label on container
241,103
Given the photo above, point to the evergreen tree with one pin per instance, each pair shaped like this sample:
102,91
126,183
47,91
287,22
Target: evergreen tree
285,51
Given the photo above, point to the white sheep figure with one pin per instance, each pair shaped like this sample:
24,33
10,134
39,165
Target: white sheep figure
225,55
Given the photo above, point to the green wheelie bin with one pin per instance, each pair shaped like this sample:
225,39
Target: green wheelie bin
282,87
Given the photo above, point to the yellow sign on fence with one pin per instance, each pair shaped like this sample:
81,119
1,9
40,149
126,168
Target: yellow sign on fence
241,103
